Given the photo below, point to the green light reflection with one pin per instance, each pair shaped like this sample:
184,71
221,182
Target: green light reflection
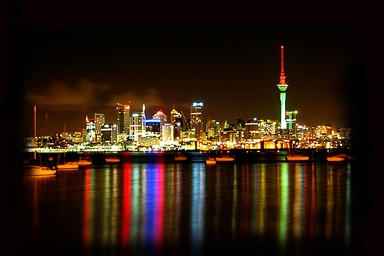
284,207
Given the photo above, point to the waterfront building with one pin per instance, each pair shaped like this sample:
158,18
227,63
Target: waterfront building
99,121
109,134
167,134
161,117
283,86
229,136
175,116
90,135
253,130
153,126
213,131
196,115
176,122
269,129
137,128
149,143
291,118
325,131
123,118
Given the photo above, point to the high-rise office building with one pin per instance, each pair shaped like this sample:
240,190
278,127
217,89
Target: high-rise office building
123,118
175,116
99,121
137,129
160,116
90,130
213,130
109,134
197,124
291,118
153,126
282,88
167,134
176,122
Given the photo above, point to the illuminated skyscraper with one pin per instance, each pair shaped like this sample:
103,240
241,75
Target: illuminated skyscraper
99,121
213,130
175,116
197,119
90,130
176,122
123,118
160,116
109,134
137,129
167,133
282,88
291,119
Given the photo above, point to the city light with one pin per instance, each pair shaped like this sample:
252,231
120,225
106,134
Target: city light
133,131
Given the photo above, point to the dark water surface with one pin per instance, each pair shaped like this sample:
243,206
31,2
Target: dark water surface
188,209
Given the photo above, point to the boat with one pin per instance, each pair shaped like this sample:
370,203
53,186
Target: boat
294,157
335,158
39,170
112,159
35,169
224,159
180,158
68,166
210,160
84,162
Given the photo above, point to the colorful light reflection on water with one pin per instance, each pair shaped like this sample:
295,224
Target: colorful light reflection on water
152,208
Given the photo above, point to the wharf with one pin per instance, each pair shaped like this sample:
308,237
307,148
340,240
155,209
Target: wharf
240,155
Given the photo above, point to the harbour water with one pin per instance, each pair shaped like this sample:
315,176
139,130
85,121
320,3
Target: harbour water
188,208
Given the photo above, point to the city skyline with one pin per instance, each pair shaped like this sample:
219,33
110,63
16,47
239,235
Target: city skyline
71,74
54,51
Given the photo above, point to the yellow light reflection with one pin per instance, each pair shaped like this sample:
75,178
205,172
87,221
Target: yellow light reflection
114,207
298,201
234,203
106,202
330,203
262,199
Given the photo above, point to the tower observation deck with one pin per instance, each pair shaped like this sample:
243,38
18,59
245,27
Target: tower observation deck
282,88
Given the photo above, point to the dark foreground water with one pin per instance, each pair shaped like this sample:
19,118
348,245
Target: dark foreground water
188,209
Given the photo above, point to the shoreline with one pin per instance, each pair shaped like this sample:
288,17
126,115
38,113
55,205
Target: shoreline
240,155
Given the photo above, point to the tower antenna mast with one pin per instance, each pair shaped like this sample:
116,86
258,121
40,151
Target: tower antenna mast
282,75
282,88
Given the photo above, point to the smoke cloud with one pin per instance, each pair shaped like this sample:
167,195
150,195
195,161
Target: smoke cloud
86,94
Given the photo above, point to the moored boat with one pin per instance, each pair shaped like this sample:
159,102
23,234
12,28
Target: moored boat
35,169
39,170
112,159
84,162
210,160
225,159
68,166
336,158
180,158
293,157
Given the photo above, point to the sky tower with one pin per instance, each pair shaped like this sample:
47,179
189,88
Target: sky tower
282,88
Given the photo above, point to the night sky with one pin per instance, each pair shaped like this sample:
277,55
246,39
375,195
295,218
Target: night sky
71,73
74,60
